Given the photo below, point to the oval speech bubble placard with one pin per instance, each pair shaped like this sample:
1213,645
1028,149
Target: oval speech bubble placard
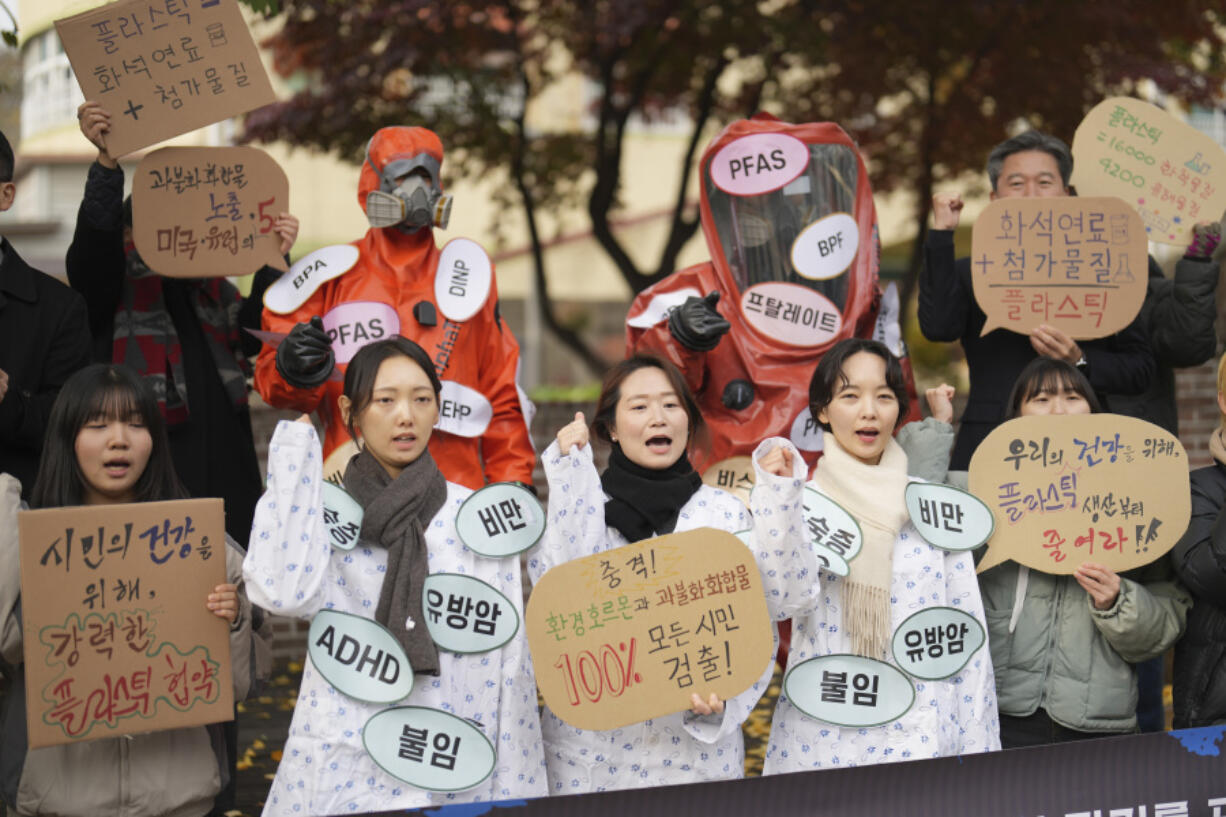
463,411
833,533
500,520
307,274
1171,173
352,325
629,634
758,163
937,642
208,212
359,657
463,280
1069,489
826,248
849,690
466,615
948,517
1078,264
342,517
791,313
429,748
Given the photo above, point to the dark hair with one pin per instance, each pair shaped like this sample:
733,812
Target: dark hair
611,393
6,159
1031,140
364,368
1050,375
828,377
113,392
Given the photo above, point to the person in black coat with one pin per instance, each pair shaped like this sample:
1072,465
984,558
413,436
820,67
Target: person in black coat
1032,164
44,338
1199,559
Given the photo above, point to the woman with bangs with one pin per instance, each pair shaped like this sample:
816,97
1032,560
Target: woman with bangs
648,417
106,444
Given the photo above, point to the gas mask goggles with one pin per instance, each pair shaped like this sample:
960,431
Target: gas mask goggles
412,202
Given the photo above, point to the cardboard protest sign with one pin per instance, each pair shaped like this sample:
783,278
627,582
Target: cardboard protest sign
629,634
1078,264
163,72
849,690
429,748
1067,489
1171,173
734,475
937,642
117,636
208,212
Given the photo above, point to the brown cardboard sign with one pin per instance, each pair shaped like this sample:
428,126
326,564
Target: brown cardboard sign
163,71
1080,265
208,212
630,634
1171,173
1067,489
117,636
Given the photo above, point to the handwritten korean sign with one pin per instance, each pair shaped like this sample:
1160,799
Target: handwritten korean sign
629,634
164,67
1077,264
208,212
1086,488
117,636
1171,173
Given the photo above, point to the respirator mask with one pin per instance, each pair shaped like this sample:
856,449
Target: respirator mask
408,196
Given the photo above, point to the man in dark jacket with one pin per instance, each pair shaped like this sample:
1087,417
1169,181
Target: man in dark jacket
1032,164
44,338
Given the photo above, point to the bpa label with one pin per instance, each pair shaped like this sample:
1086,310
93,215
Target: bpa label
849,690
353,325
500,520
833,534
947,517
359,656
937,642
308,274
466,615
759,163
429,748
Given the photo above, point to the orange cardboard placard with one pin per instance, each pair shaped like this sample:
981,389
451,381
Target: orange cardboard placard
1171,173
208,212
117,636
1077,264
164,71
1067,489
629,634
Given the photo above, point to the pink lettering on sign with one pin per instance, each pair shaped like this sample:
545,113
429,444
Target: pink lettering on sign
353,325
791,313
759,163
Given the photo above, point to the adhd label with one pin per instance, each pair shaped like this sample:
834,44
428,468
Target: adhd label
353,325
359,656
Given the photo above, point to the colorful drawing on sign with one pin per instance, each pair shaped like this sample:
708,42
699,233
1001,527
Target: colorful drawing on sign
1078,264
208,212
466,615
1068,489
117,637
359,656
948,517
163,72
791,314
1173,175
342,517
734,475
428,748
834,534
826,248
500,520
308,273
630,634
849,690
937,642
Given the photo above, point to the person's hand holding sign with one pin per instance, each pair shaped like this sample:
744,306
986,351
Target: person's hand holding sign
711,706
1051,342
95,122
778,462
286,228
1102,583
223,602
574,434
946,211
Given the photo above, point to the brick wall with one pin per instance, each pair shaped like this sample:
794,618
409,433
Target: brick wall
1196,394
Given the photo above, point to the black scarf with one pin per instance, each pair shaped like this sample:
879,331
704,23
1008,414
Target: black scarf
645,502
396,514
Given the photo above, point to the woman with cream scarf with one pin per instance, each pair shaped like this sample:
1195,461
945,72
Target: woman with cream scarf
857,395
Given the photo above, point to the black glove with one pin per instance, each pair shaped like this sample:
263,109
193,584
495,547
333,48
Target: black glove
305,358
697,324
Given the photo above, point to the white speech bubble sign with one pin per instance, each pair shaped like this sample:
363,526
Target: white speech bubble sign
758,163
350,326
937,642
833,534
849,690
429,748
947,517
826,248
463,411
466,615
359,656
463,279
806,434
308,273
500,520
342,517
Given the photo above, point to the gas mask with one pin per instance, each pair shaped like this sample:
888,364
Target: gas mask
407,196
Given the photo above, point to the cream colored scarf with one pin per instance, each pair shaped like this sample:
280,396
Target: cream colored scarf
873,494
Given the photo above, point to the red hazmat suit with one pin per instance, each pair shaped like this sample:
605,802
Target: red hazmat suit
482,434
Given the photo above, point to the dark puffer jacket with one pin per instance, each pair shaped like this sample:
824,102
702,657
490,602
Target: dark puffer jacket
1200,561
